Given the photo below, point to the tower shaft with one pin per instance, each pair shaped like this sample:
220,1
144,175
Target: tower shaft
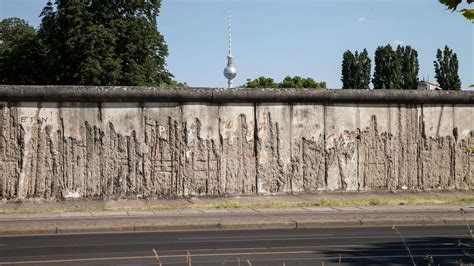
230,33
230,71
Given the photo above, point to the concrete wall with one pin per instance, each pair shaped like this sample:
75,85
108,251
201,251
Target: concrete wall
163,146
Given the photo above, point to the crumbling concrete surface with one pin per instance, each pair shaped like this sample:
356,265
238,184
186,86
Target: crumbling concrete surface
167,149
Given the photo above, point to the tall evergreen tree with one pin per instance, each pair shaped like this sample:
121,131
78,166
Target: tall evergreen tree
356,70
396,74
409,67
446,69
381,79
348,65
362,70
364,65
388,73
97,42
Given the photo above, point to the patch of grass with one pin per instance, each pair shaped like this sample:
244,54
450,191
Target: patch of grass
471,149
283,204
467,200
226,204
237,204
325,202
280,204
375,202
328,201
423,201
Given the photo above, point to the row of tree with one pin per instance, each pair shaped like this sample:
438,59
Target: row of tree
93,42
288,82
396,69
88,42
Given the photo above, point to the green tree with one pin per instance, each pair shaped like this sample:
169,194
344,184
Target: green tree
94,42
310,83
48,34
388,72
409,67
383,67
291,82
173,84
446,69
348,70
21,54
364,65
288,82
453,5
260,82
356,70
299,82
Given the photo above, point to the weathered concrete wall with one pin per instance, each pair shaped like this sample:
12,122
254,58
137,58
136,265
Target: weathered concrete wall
162,146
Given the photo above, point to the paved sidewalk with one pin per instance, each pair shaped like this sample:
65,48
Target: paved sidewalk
232,218
247,211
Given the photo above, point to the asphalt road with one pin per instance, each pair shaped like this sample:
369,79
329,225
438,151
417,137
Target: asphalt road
444,245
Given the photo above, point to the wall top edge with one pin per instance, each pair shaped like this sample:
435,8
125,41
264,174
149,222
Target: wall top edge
25,93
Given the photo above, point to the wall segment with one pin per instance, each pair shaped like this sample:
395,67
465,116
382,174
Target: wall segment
151,142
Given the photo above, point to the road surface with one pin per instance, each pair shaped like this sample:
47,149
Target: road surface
321,246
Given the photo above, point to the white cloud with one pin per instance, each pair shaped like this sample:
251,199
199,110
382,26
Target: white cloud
397,42
362,20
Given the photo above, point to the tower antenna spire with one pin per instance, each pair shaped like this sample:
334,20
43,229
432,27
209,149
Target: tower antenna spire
230,71
230,32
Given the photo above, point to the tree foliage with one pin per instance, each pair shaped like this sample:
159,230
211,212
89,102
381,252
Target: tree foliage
446,69
356,70
453,5
395,69
173,84
299,82
261,82
104,42
21,54
347,70
387,68
409,66
288,82
88,42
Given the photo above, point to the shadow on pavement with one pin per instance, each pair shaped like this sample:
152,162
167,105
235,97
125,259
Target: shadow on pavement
424,251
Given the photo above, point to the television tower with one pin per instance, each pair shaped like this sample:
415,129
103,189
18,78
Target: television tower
230,71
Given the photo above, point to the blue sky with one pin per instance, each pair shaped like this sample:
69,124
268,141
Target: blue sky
276,38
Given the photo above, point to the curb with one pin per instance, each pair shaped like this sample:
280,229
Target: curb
148,228
234,226
362,223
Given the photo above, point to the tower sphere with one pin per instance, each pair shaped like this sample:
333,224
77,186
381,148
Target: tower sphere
230,72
